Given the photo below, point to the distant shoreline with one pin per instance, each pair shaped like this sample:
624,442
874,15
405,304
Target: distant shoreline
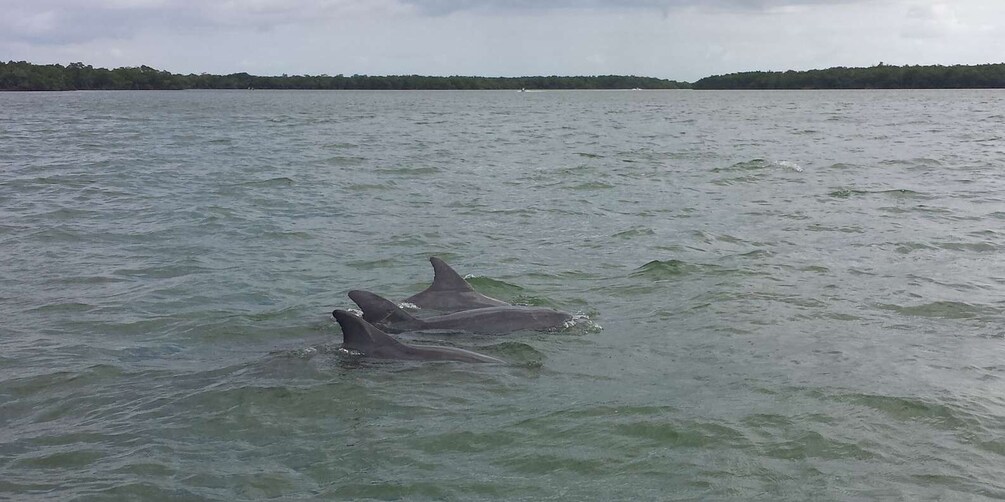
881,76
24,76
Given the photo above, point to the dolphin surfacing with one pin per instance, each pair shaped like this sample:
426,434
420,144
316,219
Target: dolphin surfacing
487,321
361,336
449,292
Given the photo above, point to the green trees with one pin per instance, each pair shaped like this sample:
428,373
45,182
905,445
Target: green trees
24,76
881,76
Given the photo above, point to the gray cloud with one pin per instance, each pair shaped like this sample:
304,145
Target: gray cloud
440,7
61,22
929,21
71,21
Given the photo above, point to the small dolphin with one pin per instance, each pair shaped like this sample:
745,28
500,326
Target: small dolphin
450,292
361,336
487,321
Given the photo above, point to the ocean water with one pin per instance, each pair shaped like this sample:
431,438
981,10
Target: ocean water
786,295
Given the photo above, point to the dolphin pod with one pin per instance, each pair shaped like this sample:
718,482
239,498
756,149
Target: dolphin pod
365,338
486,321
469,311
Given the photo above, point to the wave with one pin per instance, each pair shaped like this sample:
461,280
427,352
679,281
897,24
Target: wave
845,193
634,232
667,269
913,408
945,310
268,183
590,185
409,171
502,290
753,171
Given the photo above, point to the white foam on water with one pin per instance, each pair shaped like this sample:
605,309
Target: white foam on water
581,320
791,165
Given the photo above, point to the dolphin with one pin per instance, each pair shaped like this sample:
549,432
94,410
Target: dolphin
361,336
487,321
450,292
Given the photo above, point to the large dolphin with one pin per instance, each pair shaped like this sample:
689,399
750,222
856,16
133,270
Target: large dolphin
361,336
450,292
488,321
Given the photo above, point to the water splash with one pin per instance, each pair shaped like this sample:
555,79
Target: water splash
581,322
791,165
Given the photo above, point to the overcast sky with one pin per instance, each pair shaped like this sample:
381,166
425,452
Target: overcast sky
676,39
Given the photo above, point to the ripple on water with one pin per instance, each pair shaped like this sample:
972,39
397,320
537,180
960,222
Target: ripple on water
945,310
516,353
409,171
503,290
979,247
374,264
281,181
750,165
634,232
662,270
684,434
908,409
593,185
372,187
665,269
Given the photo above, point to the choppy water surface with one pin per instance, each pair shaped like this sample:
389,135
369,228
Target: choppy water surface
801,294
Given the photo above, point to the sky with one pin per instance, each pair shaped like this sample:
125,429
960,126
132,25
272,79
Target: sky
676,39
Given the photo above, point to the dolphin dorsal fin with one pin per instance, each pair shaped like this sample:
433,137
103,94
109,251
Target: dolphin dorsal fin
445,278
357,334
377,309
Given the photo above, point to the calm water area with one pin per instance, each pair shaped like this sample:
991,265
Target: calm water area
785,295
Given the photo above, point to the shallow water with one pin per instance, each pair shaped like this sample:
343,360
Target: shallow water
800,294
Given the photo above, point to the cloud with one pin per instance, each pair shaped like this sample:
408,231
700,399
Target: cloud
930,21
441,7
59,22
51,22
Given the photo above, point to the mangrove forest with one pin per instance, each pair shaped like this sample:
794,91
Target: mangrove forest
24,76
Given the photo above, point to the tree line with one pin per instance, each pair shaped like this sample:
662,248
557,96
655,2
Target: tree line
24,76
881,76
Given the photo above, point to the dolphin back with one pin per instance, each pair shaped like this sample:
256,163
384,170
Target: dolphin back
379,310
450,292
501,320
360,335
446,278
